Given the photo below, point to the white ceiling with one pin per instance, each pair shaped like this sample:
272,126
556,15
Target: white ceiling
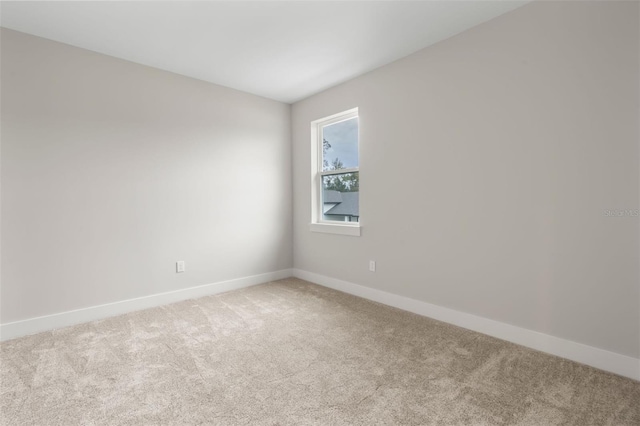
276,49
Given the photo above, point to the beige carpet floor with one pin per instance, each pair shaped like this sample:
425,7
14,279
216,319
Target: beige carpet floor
293,353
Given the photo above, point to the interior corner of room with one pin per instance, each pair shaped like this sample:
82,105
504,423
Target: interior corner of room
499,184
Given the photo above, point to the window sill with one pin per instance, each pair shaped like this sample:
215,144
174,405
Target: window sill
330,228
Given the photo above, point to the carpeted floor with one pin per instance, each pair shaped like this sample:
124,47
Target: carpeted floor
293,353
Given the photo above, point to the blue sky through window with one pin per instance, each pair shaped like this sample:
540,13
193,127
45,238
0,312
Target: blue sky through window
343,137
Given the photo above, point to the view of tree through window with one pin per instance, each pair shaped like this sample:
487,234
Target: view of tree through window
340,175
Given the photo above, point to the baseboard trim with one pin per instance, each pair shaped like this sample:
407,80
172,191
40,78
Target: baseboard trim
16,329
599,358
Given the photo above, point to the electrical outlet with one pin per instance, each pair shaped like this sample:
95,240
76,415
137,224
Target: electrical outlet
180,267
372,265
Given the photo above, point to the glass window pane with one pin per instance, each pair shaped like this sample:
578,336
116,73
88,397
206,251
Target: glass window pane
340,197
340,145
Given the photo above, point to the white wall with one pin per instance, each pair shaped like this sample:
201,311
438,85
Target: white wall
502,147
112,171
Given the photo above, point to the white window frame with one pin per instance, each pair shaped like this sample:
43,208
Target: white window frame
318,224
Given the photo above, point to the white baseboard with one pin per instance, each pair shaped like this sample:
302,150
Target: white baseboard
64,319
599,358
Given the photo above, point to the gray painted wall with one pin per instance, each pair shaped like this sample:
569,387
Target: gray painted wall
505,144
503,147
112,171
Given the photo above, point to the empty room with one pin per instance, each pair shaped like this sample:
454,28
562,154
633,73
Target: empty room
320,212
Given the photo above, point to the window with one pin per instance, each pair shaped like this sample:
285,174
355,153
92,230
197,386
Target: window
335,174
